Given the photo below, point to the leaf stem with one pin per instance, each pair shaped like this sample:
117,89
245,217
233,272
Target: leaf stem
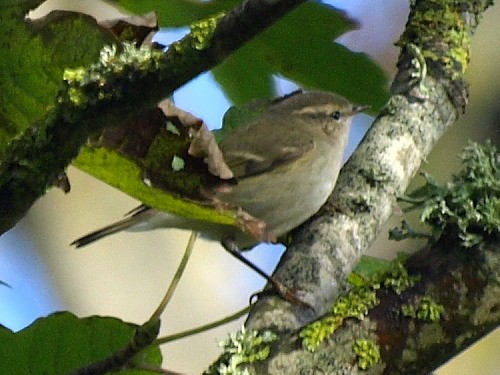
175,280
205,327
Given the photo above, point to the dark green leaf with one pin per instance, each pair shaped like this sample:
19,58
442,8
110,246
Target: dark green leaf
369,266
245,75
238,115
33,58
300,47
63,342
176,13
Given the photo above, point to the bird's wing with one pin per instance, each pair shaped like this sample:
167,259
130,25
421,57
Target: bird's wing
247,155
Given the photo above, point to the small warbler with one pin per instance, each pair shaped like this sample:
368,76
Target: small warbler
285,163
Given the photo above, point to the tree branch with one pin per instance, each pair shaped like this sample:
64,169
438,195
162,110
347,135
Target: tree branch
428,95
36,158
408,332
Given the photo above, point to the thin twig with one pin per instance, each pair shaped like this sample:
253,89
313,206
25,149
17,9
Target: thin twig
175,280
205,327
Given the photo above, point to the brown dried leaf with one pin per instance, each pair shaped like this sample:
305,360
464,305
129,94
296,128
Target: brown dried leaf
203,143
140,28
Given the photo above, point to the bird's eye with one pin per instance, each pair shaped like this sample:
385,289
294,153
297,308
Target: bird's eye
336,115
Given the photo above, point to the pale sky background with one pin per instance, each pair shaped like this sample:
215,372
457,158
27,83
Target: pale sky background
126,275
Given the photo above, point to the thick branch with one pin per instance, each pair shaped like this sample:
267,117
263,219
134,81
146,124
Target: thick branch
41,154
412,335
325,250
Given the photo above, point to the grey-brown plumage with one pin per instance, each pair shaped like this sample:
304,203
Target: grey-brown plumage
286,164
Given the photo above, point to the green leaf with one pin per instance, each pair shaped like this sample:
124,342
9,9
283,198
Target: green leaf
33,57
176,13
254,75
369,266
63,342
172,128
299,46
238,115
125,175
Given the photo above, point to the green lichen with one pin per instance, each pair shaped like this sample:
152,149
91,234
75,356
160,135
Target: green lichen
127,33
108,78
423,308
120,66
420,65
398,279
178,163
409,310
172,128
77,97
406,231
429,335
166,154
243,347
367,353
441,32
202,31
356,303
470,203
74,75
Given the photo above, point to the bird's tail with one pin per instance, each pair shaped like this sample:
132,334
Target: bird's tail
106,231
131,219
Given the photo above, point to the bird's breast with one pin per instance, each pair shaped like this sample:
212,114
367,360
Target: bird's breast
291,193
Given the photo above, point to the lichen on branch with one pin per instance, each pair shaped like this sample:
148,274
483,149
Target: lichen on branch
469,205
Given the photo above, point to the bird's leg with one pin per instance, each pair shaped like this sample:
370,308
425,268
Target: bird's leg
232,248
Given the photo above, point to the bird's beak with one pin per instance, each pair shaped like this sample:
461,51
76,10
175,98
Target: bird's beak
359,108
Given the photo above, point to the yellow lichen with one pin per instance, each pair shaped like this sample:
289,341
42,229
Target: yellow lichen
202,31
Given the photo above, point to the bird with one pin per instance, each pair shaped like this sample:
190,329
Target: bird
285,163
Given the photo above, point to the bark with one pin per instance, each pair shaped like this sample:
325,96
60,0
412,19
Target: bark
428,95
466,283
